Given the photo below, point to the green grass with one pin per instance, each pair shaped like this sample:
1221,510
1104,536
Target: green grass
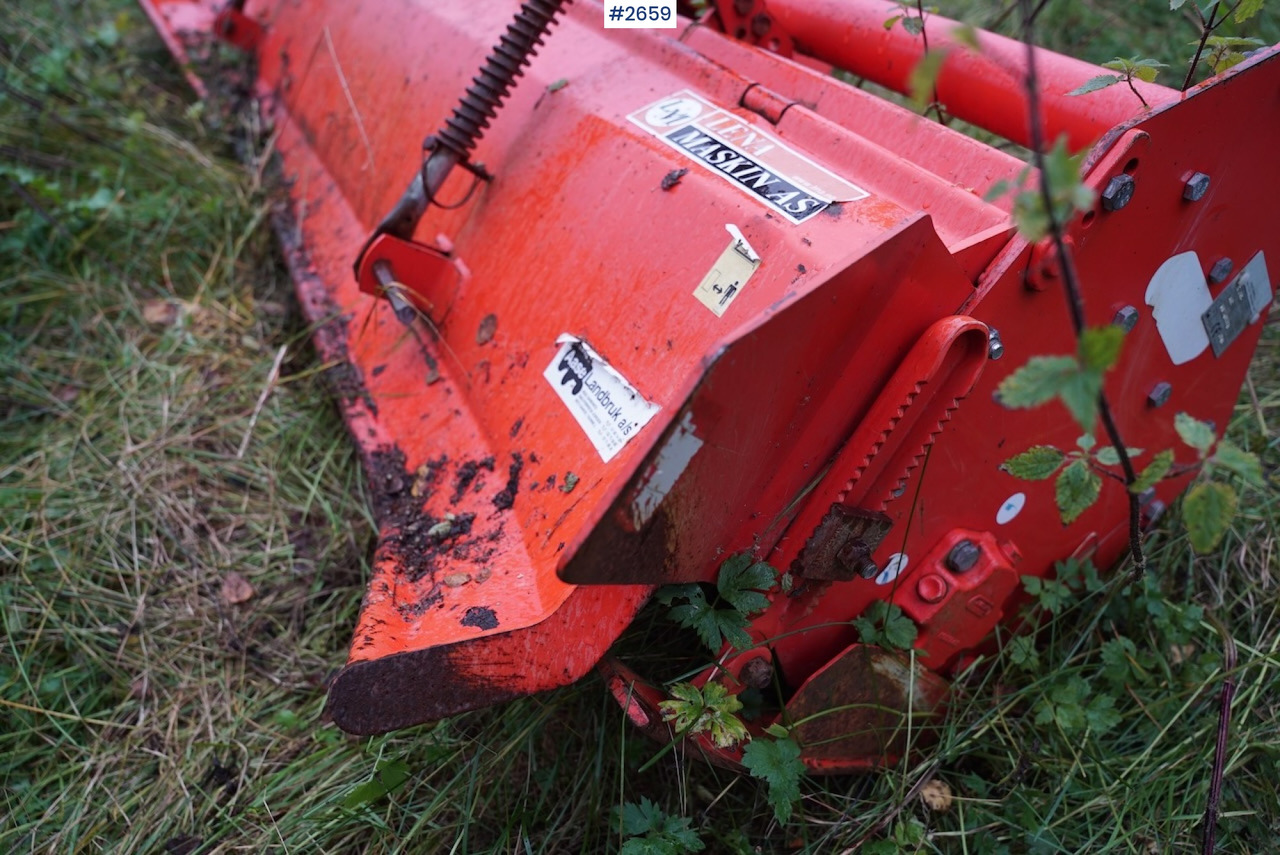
142,308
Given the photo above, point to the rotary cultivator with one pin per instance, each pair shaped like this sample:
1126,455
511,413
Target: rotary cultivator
650,303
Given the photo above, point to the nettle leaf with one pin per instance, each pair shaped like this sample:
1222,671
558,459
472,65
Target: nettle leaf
741,583
1207,512
776,762
1247,9
912,24
1233,42
1108,456
1076,489
1093,84
1156,469
1100,347
1195,433
1034,464
1246,464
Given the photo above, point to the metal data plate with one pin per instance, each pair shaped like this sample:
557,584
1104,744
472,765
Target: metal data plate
1237,306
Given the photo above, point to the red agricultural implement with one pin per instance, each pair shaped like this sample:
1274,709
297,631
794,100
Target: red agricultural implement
682,294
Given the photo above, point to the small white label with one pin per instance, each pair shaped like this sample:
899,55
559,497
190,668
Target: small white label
1178,296
897,562
728,276
636,14
608,409
1011,507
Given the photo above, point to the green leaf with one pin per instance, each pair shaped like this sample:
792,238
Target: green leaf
1156,469
1175,5
1195,433
557,85
714,626
653,831
1040,380
1233,42
1076,489
1108,456
923,79
777,731
1207,512
967,35
1232,457
885,624
777,763
1080,395
711,709
388,776
913,25
1100,347
1247,9
889,22
1093,84
1100,714
1034,464
741,582
1022,652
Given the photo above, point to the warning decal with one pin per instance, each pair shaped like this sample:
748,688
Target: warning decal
608,409
757,163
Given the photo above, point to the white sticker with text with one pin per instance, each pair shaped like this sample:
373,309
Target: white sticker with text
728,276
608,408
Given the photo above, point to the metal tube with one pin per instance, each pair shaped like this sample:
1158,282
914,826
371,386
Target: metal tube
984,87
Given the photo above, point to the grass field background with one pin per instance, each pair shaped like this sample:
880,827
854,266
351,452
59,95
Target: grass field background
184,534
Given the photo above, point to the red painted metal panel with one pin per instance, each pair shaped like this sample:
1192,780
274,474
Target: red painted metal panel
844,392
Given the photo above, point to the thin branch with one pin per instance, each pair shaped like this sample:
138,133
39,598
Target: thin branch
1220,748
1206,29
1071,283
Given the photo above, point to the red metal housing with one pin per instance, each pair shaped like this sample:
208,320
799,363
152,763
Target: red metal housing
837,387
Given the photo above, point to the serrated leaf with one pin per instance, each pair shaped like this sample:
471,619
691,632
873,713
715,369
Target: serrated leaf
1108,456
899,630
637,819
1146,73
1155,470
1207,512
1247,9
1086,442
1093,84
1075,490
711,710
1101,715
741,583
1100,347
1232,457
777,763
1233,42
1034,464
913,25
1080,395
1040,380
1195,433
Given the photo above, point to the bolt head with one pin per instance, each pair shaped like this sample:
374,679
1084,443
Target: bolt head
995,347
1159,394
1118,192
760,25
1220,271
1126,318
932,588
963,556
1195,188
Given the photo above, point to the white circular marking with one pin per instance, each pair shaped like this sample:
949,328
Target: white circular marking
673,111
897,562
1011,508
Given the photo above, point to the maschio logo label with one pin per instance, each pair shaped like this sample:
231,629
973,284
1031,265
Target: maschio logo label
754,161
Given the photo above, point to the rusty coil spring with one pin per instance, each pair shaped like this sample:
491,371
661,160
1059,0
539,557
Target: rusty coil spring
504,64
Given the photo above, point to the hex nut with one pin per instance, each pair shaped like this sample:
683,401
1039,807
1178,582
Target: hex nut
1220,271
963,556
1159,394
1126,318
995,346
1118,192
1195,188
